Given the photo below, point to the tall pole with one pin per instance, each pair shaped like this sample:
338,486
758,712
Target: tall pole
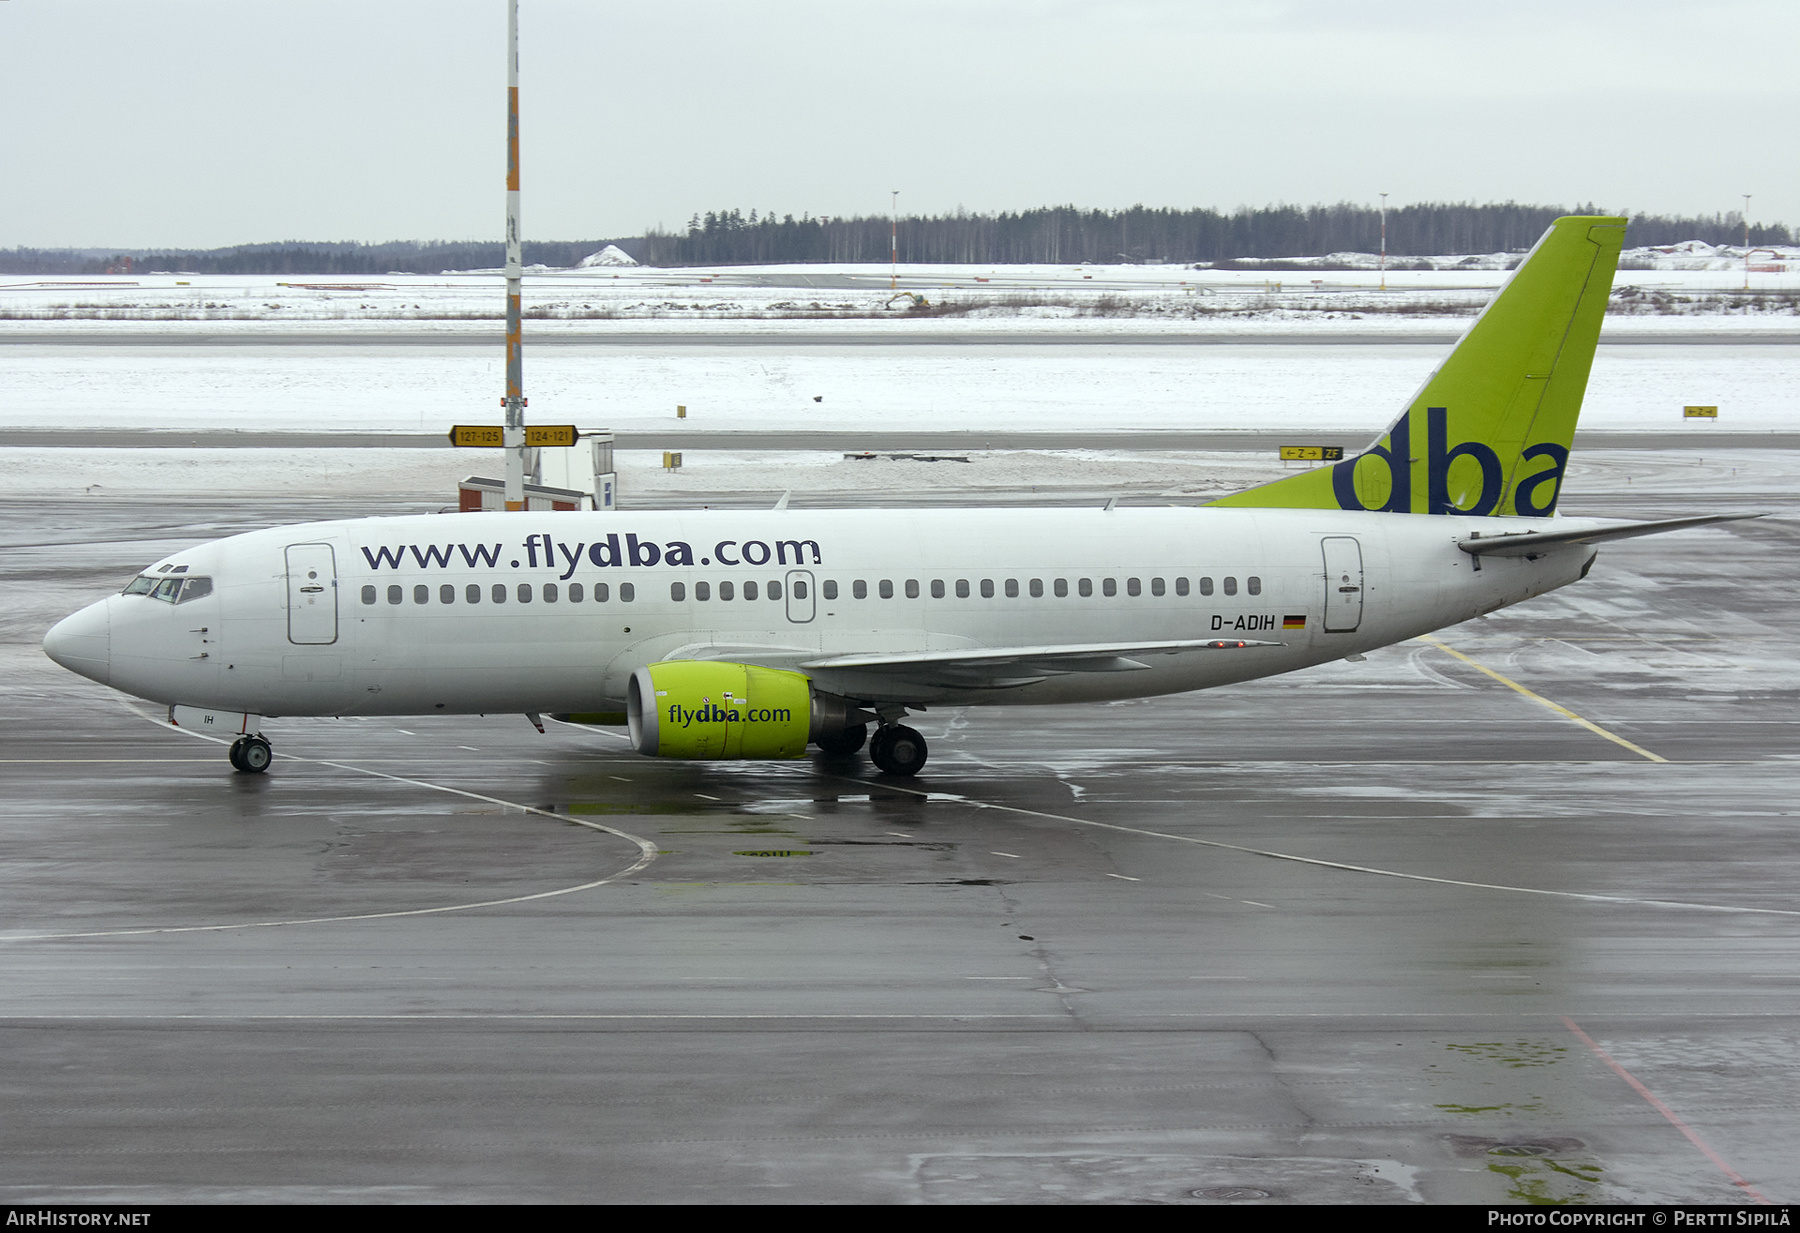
1746,241
894,243
513,435
1384,197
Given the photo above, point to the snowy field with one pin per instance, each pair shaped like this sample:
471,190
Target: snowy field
810,386
1096,297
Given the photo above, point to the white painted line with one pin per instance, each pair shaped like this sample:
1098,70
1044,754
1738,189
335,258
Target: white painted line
647,852
1123,878
1011,855
1346,867
703,796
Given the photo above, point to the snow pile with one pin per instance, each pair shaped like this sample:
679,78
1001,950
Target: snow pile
612,254
1699,255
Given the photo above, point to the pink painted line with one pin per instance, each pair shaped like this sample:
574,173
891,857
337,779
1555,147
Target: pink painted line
1737,1178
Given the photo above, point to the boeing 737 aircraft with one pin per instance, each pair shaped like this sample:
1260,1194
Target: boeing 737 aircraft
729,634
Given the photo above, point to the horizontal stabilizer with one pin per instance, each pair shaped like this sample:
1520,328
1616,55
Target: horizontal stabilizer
1532,543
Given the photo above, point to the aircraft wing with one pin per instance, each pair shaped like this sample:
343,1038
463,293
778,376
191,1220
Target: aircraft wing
1533,543
974,668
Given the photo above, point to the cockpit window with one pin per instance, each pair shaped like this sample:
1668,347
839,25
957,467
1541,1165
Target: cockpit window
171,589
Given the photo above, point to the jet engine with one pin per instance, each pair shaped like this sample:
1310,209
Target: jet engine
685,708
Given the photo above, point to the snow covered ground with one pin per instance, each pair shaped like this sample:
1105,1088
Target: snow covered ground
1099,297
810,386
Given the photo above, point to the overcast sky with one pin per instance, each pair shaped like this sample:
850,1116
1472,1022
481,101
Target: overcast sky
201,123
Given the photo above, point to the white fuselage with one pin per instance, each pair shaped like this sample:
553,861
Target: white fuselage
498,612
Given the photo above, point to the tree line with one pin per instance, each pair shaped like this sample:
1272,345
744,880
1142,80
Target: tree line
1060,235
1054,235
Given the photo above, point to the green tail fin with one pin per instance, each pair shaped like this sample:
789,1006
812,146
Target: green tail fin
1489,433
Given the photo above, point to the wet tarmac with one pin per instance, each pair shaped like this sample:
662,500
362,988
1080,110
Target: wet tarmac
1379,932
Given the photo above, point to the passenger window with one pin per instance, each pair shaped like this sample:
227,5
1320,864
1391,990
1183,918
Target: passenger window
799,590
1012,588
549,592
1133,587
1109,587
1037,588
859,589
912,588
1231,586
473,594
524,592
726,590
887,589
1085,587
1181,586
368,595
602,592
678,592
987,588
749,590
447,594
830,588
577,592
937,588
1156,586
395,594
627,592
702,590
499,592
1062,588
1206,586
774,589
1253,584
962,588
421,594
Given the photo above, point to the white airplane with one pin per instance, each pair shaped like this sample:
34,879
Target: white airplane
731,634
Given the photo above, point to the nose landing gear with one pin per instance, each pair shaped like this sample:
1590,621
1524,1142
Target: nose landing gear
251,754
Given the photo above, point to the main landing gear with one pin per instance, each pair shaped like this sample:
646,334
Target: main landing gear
897,749
251,754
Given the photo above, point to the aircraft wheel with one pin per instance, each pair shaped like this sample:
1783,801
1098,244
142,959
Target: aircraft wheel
846,742
898,750
255,756
236,754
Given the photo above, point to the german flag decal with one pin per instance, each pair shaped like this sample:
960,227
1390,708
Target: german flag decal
1294,622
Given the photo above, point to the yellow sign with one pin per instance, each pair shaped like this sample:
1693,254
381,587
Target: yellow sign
1312,453
549,436
492,436
1700,413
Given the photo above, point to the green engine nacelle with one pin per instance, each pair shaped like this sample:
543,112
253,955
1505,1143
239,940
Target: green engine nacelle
685,708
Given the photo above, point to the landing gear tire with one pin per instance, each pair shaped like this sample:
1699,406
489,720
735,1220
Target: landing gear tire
251,754
898,750
846,742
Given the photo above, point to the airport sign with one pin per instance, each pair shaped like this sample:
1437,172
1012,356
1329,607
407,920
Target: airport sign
1700,413
1312,453
493,436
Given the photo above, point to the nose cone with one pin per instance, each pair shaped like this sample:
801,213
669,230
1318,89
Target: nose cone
83,643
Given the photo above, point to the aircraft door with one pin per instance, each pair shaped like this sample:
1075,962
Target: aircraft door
800,600
312,594
1343,584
